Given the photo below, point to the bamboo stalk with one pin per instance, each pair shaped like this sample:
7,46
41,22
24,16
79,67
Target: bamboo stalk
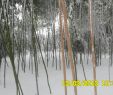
92,44
62,47
70,56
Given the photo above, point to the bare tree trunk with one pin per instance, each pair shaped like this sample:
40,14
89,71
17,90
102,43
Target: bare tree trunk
62,47
67,35
92,44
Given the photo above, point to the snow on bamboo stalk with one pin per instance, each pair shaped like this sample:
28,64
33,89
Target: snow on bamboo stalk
62,46
92,44
67,35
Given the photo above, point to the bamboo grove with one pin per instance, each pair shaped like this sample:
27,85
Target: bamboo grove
84,28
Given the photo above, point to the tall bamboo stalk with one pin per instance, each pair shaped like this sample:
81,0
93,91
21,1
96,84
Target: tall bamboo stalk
92,44
67,34
62,47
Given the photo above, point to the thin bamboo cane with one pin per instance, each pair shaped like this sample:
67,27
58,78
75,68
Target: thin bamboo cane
54,41
81,60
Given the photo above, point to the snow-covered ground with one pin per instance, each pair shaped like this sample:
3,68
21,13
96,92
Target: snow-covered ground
27,80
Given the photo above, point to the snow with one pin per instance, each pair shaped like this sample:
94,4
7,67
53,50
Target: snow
27,79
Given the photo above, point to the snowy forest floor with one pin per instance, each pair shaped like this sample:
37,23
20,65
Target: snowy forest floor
27,79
